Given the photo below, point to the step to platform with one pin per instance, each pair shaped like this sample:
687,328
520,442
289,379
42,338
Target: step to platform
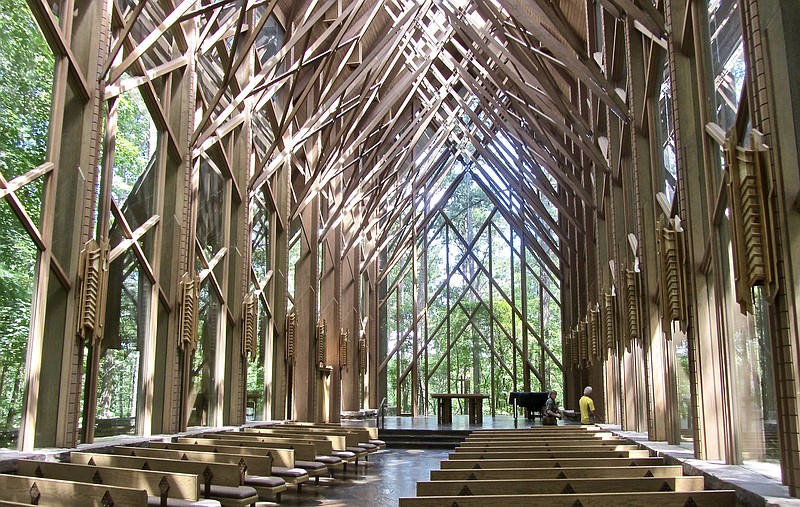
423,439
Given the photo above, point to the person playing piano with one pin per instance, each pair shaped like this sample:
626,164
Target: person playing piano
551,411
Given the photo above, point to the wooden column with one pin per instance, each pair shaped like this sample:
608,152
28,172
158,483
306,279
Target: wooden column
330,311
350,284
646,163
53,377
304,385
705,332
280,261
237,275
161,353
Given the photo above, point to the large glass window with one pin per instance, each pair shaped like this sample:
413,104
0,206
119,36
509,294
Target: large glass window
748,351
203,376
211,207
727,59
670,169
681,343
119,365
127,311
261,283
26,77
483,327
753,391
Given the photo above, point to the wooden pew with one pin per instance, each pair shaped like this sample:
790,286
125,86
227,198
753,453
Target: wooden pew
257,469
548,443
719,498
266,485
351,438
39,491
220,481
550,463
464,474
367,437
372,431
523,453
304,451
558,486
163,486
542,430
284,465
572,428
253,465
544,448
341,448
606,435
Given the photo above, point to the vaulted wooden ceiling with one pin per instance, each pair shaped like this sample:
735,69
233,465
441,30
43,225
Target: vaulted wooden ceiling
372,102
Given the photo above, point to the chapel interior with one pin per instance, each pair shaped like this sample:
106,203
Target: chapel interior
407,216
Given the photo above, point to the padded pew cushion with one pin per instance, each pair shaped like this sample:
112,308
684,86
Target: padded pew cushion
328,460
311,466
292,475
231,492
266,482
154,501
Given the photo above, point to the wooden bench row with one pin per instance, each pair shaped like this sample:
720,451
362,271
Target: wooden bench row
229,469
558,466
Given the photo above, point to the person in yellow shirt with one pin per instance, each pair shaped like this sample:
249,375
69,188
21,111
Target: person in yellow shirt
587,406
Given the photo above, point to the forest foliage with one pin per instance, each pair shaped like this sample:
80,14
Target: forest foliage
26,74
470,332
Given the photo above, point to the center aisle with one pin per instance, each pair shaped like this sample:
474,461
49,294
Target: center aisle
390,474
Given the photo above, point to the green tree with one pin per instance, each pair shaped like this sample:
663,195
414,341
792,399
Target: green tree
26,74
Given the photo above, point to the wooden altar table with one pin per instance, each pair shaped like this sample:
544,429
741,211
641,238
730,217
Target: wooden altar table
444,406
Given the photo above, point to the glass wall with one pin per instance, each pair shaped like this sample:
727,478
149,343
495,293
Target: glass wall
129,287
26,77
127,312
746,333
261,283
727,58
203,376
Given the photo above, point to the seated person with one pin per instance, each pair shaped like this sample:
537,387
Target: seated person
551,411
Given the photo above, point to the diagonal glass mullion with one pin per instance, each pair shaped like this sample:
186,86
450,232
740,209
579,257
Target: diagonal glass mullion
132,240
19,210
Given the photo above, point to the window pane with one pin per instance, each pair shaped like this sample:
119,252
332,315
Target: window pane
670,174
210,214
727,58
134,147
755,420
18,257
127,311
26,77
256,377
202,389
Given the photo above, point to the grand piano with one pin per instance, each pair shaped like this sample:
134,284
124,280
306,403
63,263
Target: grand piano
532,401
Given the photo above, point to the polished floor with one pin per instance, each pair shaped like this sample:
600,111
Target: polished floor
388,475
391,473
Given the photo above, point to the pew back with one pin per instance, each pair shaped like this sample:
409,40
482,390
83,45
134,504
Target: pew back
36,490
253,465
176,485
660,498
